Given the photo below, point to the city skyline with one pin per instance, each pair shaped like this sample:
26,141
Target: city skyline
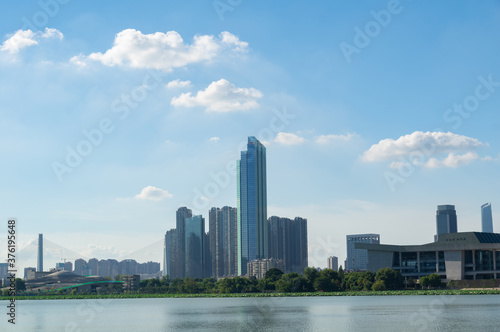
365,131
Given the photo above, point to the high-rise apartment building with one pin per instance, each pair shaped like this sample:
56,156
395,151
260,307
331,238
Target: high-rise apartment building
170,254
181,215
333,263
223,241
288,241
446,220
252,205
486,218
195,246
357,259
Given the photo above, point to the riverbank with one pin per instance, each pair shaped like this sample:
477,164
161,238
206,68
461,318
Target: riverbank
361,293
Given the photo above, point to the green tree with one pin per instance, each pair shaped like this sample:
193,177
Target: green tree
434,280
292,282
391,278
324,284
424,282
378,285
273,274
20,285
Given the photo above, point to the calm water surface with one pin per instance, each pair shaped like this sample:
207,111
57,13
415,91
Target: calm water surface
363,313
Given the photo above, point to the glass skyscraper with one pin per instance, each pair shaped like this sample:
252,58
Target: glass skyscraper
486,218
252,205
195,247
446,219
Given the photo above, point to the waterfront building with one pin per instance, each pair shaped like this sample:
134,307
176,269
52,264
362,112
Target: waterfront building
258,268
180,217
170,255
357,259
194,244
333,263
252,205
455,256
288,242
446,220
223,241
486,218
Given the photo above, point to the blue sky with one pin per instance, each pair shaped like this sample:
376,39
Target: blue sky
372,113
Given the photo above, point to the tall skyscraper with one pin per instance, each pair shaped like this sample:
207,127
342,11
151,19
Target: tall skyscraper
252,205
195,247
39,265
288,242
223,241
181,215
357,259
486,218
446,220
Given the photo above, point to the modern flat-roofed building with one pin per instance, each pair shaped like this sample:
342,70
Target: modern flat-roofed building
357,259
455,256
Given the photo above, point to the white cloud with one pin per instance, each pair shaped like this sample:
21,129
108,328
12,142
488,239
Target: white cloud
452,160
214,139
288,139
164,51
220,96
153,194
328,139
178,84
25,38
426,149
437,142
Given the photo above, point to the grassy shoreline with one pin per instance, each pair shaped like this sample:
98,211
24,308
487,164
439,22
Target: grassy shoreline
360,293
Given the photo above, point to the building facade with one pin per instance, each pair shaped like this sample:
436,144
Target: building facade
357,259
333,263
252,205
170,254
486,218
180,217
194,243
223,241
288,242
258,268
446,220
455,256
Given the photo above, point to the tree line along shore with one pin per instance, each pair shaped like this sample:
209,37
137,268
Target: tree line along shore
275,283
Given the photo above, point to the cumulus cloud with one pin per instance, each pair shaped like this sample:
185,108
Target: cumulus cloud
441,149
164,51
220,96
25,38
214,139
178,84
328,139
452,160
153,194
288,139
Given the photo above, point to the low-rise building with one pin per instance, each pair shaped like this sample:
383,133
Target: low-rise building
455,256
